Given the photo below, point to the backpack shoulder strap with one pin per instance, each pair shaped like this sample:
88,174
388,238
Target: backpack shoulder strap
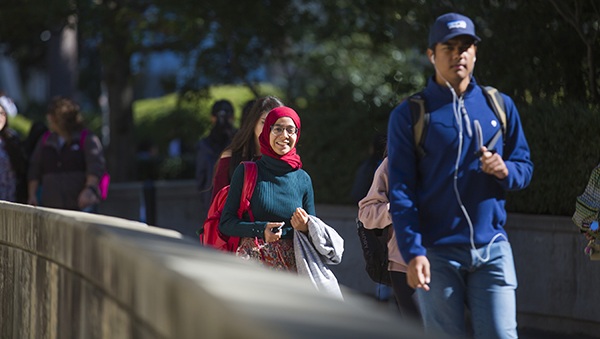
420,119
250,174
84,133
497,103
45,137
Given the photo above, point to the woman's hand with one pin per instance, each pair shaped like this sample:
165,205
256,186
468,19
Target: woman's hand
32,200
87,198
273,236
300,220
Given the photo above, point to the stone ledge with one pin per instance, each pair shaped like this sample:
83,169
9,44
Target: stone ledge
71,274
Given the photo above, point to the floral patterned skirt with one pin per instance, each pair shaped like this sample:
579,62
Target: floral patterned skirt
278,255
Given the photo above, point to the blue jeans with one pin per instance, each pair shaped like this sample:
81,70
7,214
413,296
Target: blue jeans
459,277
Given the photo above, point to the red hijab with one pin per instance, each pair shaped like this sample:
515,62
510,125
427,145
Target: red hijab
291,158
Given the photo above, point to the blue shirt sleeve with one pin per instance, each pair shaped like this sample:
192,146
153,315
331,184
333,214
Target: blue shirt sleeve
516,153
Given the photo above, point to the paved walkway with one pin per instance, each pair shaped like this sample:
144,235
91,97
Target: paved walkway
524,333
537,334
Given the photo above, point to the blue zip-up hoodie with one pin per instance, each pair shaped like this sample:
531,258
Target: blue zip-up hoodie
425,209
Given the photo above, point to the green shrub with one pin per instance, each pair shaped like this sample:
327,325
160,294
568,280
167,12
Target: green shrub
564,143
20,124
335,139
160,120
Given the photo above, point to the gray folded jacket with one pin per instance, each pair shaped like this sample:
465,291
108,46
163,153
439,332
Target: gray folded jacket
323,246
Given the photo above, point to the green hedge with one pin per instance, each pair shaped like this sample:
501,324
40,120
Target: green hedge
160,120
564,142
335,139
565,147
336,134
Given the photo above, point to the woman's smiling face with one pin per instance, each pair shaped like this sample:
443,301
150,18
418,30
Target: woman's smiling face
283,143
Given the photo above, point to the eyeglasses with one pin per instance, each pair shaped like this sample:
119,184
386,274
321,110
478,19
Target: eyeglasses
278,130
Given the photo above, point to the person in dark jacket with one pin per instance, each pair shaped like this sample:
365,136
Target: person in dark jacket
366,171
209,149
68,168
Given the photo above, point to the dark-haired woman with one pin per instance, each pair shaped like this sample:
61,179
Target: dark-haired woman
67,161
245,145
283,196
283,232
12,162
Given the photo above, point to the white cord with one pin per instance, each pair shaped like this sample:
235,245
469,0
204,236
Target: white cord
458,105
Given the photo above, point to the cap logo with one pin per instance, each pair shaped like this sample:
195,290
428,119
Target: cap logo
457,24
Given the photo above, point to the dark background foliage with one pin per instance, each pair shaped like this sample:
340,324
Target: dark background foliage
564,142
343,65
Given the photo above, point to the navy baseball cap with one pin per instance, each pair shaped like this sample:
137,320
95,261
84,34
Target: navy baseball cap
449,26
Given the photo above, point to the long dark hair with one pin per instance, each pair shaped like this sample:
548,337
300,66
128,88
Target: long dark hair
243,146
223,130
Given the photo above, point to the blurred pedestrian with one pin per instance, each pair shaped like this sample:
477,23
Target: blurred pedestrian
13,179
364,176
374,213
68,161
36,131
587,207
208,150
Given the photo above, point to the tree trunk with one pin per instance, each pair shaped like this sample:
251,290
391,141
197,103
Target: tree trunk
62,61
120,152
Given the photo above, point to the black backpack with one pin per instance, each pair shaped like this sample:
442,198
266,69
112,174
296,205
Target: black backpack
375,251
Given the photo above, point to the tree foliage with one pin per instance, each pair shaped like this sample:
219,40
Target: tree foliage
343,64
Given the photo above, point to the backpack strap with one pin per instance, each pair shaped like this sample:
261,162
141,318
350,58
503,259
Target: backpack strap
497,103
84,133
45,137
420,119
250,174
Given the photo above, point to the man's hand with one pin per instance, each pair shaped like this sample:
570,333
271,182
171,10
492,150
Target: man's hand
492,163
418,275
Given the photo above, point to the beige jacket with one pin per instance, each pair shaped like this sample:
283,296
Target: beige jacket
374,212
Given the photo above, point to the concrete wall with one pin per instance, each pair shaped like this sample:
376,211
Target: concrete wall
557,282
77,275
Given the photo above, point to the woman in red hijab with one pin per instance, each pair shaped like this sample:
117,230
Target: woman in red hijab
282,199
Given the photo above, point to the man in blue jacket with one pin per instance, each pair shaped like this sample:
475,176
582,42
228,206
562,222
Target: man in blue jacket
448,206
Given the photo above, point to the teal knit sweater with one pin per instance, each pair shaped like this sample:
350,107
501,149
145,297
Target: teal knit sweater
279,190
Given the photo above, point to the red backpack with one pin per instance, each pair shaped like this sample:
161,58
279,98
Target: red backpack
209,233
104,179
